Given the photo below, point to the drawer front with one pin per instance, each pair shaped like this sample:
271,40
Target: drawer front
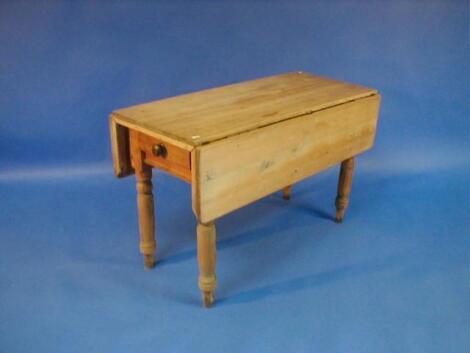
236,171
164,155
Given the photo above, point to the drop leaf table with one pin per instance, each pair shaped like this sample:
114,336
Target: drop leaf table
238,143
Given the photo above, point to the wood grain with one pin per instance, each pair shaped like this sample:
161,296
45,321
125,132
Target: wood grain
236,171
202,117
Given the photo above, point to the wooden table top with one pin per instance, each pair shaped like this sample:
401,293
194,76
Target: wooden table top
202,117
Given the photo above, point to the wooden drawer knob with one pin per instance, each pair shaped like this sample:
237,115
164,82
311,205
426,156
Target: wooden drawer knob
159,150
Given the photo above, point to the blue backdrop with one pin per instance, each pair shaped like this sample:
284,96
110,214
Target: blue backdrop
393,278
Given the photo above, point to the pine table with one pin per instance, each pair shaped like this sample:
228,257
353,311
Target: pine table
238,143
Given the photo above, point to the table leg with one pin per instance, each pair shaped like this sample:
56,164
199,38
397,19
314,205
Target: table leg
286,192
344,188
145,207
206,254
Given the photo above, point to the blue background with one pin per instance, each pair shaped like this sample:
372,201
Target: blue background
394,277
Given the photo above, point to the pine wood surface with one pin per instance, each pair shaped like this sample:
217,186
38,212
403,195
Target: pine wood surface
206,116
238,170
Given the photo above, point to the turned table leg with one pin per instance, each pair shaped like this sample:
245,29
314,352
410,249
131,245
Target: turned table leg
286,192
206,254
146,214
344,188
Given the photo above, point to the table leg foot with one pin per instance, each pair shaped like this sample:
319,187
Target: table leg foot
206,254
344,188
149,261
208,299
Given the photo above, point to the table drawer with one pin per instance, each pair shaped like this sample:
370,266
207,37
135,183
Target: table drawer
164,155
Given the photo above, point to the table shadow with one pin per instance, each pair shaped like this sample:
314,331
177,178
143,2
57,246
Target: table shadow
258,233
311,280
246,237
